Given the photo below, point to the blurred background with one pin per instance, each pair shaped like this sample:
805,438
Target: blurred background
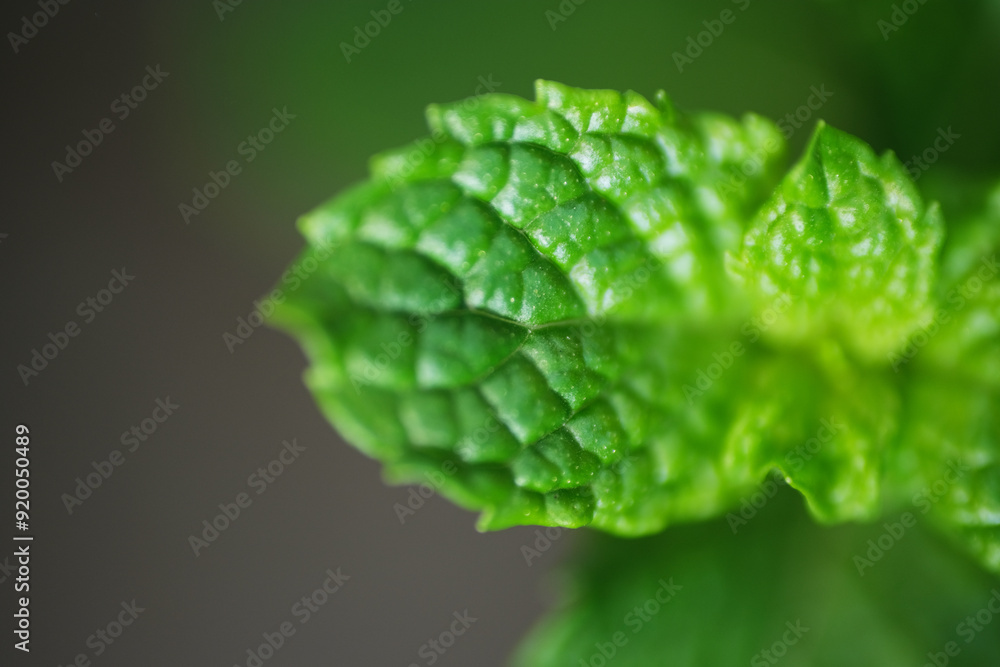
211,76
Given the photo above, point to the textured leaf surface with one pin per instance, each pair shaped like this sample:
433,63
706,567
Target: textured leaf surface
605,312
847,241
519,294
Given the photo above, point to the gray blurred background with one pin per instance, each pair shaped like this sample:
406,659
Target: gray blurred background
224,68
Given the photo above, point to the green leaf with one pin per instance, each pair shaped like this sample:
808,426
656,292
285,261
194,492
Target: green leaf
518,294
826,425
807,596
964,336
847,240
949,470
534,299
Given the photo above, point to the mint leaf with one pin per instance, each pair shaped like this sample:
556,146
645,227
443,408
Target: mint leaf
964,336
825,424
947,465
518,294
949,469
782,589
535,300
847,240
